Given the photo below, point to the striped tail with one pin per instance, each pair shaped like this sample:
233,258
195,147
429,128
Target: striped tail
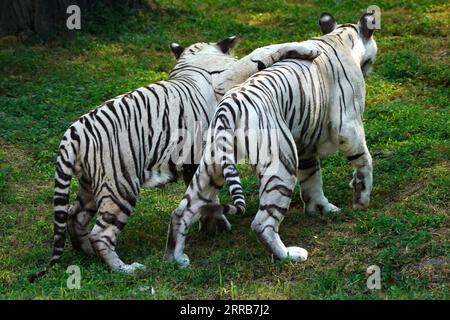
235,189
214,210
64,168
224,148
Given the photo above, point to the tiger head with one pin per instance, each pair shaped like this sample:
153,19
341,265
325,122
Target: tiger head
214,57
364,47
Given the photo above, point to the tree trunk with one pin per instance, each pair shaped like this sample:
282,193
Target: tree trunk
47,16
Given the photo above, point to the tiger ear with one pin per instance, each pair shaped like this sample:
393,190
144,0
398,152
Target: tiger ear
327,23
229,43
367,24
176,49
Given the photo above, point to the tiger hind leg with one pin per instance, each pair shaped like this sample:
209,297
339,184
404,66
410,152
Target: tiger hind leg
201,191
80,214
208,224
110,222
275,199
311,185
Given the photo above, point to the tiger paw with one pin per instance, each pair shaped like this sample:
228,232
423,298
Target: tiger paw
330,208
324,207
296,254
131,268
361,194
361,197
183,260
302,50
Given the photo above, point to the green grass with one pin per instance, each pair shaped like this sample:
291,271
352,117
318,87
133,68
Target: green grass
45,87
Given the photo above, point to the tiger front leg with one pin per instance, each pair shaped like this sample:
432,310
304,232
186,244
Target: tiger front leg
353,145
311,185
263,58
268,55
362,179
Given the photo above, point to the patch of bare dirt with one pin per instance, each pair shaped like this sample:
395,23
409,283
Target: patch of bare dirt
435,270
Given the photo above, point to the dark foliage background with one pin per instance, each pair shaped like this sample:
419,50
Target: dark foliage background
46,17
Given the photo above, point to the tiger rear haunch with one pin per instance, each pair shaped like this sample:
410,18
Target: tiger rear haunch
281,120
127,143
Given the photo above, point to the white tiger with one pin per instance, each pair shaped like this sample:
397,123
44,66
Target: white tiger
314,108
126,143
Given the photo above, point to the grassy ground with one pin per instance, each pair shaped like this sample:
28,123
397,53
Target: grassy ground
45,87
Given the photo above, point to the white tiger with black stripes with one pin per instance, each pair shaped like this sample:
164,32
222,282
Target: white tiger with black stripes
126,143
315,108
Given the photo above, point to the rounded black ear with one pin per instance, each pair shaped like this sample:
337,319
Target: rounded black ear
327,23
176,49
228,44
367,24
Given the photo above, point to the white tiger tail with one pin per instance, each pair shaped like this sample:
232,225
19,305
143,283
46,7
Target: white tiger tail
65,164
